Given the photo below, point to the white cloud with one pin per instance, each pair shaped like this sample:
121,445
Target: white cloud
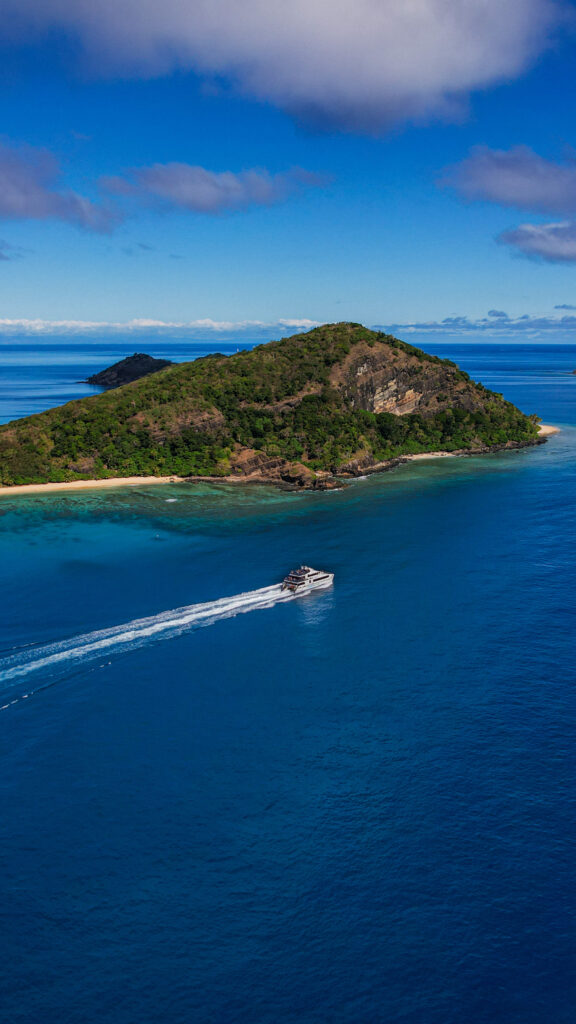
184,186
518,178
360,64
552,243
30,190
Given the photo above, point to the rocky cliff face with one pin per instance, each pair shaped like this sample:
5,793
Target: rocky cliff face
383,378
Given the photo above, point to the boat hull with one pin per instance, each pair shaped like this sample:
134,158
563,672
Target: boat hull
306,588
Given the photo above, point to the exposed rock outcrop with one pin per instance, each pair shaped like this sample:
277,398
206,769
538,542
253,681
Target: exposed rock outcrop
255,465
382,378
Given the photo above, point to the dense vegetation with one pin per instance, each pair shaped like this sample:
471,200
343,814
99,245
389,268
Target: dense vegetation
294,400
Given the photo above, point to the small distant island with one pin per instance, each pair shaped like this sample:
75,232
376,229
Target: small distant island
339,401
127,370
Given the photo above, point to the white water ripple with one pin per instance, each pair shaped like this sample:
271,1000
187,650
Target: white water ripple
135,634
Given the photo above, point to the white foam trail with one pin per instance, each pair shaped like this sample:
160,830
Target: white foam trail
136,633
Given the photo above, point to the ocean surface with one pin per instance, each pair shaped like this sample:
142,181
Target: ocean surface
355,807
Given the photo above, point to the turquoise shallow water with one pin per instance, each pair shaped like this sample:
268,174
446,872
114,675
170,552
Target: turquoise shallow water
357,806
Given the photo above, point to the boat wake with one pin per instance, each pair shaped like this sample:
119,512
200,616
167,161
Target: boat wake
131,635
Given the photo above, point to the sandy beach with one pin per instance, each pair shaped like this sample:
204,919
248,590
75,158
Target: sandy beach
544,430
431,455
82,485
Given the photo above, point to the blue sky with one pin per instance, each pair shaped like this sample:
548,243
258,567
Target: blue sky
282,165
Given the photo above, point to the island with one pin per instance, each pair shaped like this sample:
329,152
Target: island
339,401
127,370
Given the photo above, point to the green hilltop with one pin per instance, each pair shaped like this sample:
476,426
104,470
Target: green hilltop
337,400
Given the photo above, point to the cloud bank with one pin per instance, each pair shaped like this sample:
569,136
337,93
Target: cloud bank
357,64
29,189
489,328
184,329
198,190
525,328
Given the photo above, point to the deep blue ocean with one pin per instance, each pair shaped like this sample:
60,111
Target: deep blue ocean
357,807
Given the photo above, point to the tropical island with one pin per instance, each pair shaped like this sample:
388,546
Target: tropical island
338,401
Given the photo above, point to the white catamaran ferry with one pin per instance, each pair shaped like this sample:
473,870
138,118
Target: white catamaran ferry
301,580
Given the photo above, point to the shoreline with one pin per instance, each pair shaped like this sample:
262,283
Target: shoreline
82,485
544,430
